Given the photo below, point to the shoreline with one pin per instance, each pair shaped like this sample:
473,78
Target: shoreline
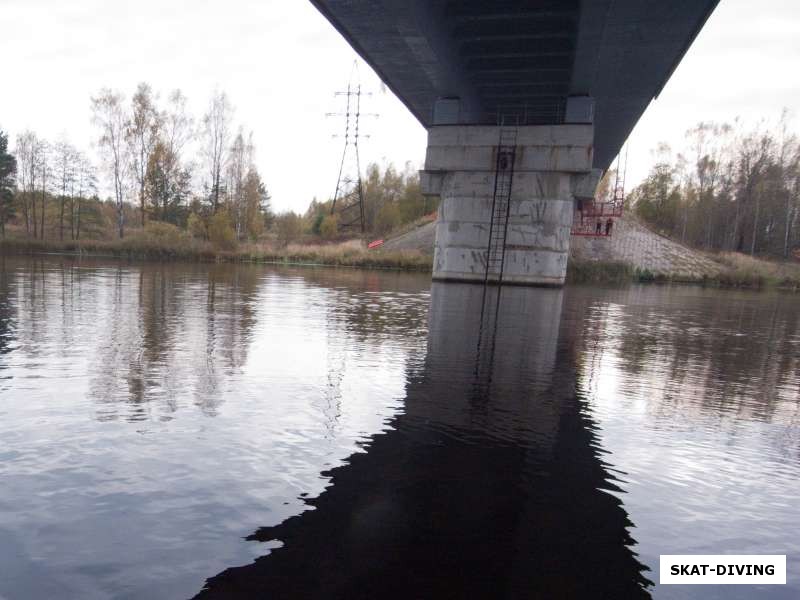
353,257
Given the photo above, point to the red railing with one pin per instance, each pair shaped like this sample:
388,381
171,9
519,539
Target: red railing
595,219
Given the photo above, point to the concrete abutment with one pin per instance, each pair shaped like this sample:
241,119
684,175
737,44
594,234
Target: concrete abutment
552,167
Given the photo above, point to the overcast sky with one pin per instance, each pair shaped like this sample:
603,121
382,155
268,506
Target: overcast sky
280,62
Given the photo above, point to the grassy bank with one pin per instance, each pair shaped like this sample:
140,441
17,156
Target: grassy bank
140,246
738,270
584,271
745,271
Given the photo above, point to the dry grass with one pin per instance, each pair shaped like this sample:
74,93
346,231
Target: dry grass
165,244
145,245
346,254
745,271
585,271
739,271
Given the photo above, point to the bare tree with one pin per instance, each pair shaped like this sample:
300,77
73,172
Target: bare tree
27,145
177,125
85,184
742,193
142,135
65,158
788,163
109,116
216,135
43,160
756,162
168,180
240,163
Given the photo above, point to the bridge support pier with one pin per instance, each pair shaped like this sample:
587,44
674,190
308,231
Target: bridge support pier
552,167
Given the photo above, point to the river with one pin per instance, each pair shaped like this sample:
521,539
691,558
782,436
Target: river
236,431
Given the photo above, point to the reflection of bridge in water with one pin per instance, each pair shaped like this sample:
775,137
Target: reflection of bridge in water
490,484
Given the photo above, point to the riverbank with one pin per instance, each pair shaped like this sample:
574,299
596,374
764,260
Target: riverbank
635,253
736,271
142,247
731,270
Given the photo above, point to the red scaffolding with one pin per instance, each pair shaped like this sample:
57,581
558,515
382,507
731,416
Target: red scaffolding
593,217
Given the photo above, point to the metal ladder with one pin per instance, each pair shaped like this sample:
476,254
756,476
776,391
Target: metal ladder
501,204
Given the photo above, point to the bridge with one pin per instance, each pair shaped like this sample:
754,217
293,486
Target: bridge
526,104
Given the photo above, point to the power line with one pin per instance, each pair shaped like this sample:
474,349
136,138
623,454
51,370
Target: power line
348,198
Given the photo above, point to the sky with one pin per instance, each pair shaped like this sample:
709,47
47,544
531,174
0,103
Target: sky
280,63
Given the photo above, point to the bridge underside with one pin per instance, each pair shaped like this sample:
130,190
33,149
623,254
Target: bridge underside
524,58
539,66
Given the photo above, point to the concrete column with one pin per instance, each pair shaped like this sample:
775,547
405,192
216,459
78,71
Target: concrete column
553,163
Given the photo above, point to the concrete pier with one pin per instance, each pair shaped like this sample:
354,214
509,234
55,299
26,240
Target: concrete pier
552,166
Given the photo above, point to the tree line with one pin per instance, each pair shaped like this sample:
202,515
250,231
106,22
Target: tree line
160,163
732,188
392,198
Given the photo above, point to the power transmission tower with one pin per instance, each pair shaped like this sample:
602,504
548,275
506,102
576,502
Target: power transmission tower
348,199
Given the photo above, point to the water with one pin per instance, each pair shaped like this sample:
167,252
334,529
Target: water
248,431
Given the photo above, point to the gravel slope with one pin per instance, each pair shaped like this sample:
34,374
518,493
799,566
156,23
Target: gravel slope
631,242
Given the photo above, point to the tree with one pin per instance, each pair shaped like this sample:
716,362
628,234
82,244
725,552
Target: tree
753,155
167,185
216,143
329,227
27,149
388,218
167,179
43,159
256,202
84,185
657,198
65,158
109,116
141,132
8,172
737,189
220,231
288,227
391,198
177,126
788,163
240,162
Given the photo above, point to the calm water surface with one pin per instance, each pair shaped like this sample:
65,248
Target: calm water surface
228,431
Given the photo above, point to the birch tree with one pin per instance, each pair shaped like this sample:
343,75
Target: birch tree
216,139
141,136
43,173
85,185
108,114
26,150
65,157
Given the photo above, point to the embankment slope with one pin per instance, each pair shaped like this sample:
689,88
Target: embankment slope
631,243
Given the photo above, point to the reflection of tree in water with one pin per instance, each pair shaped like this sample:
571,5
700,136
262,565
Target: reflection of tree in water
31,278
7,317
503,501
724,353
229,302
171,332
155,336
373,305
33,297
363,312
